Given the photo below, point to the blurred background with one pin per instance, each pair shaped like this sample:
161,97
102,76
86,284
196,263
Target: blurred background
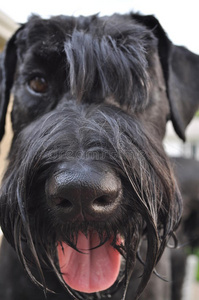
181,22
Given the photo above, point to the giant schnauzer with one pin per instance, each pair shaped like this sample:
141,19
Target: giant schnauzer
89,201
187,174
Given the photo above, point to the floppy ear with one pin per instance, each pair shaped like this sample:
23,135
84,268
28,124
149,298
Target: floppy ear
8,60
181,71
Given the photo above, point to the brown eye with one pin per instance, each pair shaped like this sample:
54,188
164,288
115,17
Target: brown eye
38,85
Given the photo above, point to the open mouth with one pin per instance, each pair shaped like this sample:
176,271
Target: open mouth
93,269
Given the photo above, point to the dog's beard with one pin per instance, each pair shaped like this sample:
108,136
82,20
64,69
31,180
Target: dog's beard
99,247
151,204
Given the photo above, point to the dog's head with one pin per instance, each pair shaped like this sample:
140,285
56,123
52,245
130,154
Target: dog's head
87,168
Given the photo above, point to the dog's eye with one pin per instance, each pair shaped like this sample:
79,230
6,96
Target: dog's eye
38,85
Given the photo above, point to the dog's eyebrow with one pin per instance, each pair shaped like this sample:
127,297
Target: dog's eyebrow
42,57
110,64
43,50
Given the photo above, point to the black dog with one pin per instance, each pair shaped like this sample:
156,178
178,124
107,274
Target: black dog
88,181
187,173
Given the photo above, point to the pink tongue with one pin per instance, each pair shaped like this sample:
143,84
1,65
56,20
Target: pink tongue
91,271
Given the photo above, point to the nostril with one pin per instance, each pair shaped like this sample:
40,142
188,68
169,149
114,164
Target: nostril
107,200
103,201
62,202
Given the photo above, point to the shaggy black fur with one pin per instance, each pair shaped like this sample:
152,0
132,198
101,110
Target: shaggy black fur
90,93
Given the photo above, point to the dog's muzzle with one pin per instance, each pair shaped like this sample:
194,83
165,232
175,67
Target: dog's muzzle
85,198
81,192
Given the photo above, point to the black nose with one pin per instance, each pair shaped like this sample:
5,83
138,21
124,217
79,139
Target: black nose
90,191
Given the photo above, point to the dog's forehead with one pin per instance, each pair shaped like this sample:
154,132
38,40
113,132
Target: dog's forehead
112,51
56,30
